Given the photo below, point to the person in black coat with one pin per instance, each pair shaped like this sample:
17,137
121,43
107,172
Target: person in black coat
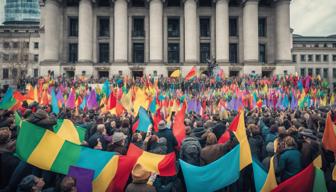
168,134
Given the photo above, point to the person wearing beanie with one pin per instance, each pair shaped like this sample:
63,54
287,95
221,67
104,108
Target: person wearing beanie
139,180
168,134
118,143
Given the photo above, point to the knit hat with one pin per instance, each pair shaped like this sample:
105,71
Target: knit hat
139,173
118,136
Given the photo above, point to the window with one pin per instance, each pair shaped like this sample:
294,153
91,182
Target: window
233,53
73,53
5,73
104,27
120,73
26,45
334,57
262,53
262,27
303,58
72,2
6,45
204,52
205,27
35,72
14,57
173,3
36,45
310,58
317,71
173,27
5,57
204,3
14,72
325,73
104,53
173,53
36,58
334,45
15,45
138,3
103,3
325,58
303,72
294,58
310,71
138,53
138,27
25,57
334,73
316,45
318,58
73,26
233,26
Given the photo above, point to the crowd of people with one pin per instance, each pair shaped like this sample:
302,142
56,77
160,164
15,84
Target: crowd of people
292,135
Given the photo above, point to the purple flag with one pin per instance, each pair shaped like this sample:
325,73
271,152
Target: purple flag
59,96
71,100
92,100
83,178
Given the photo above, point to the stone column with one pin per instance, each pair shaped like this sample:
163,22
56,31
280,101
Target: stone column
120,31
155,31
250,32
52,24
190,28
85,33
222,31
282,32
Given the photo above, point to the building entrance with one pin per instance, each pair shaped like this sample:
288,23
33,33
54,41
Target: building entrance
234,74
103,74
137,74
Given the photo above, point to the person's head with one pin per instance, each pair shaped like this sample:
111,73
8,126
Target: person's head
113,124
139,173
289,142
137,137
125,123
118,138
211,139
68,184
162,125
5,135
282,131
273,128
101,129
31,183
255,130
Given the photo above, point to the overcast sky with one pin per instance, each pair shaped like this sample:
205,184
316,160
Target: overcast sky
313,17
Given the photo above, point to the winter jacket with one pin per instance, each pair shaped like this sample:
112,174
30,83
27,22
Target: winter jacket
171,140
211,153
289,163
140,186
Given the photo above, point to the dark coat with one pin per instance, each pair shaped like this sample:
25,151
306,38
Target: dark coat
289,163
171,140
256,144
117,148
309,152
140,186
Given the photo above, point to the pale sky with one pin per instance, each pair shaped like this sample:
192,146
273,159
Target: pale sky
313,17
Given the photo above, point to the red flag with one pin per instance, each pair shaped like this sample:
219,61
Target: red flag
112,102
178,125
191,74
157,118
233,127
18,96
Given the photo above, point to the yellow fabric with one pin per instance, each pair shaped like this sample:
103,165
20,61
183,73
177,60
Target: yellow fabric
176,73
334,173
102,181
318,162
46,151
332,99
126,101
35,94
69,132
140,101
270,182
150,161
245,151
276,142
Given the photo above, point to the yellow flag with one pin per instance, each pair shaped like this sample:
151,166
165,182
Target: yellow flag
126,101
140,101
270,182
176,73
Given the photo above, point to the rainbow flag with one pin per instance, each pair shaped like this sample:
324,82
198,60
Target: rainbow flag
47,150
8,101
191,74
329,139
163,165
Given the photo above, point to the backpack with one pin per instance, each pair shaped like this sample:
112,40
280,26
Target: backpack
191,151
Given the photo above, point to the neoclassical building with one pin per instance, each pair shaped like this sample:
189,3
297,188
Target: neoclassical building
135,37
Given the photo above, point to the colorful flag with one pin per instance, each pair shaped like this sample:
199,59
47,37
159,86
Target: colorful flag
144,120
71,100
140,101
54,102
329,139
92,100
68,131
176,73
46,150
163,165
8,101
84,178
106,88
213,176
178,125
191,74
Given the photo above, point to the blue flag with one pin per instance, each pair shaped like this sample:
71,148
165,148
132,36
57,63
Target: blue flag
54,102
106,88
214,176
144,120
8,95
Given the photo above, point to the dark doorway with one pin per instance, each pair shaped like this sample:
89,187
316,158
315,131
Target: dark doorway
137,74
70,74
103,74
234,74
266,73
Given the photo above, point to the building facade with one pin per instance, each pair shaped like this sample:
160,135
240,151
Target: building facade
315,56
19,53
135,37
22,11
2,11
